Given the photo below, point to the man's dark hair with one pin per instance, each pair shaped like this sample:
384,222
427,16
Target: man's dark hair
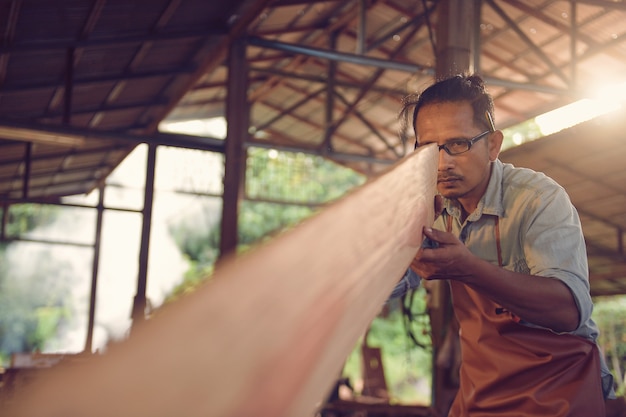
458,88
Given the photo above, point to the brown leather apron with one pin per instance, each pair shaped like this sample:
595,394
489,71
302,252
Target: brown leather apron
510,369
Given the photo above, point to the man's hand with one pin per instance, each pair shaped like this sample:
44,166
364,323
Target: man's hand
449,260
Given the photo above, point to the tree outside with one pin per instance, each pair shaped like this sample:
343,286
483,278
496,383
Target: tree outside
609,314
35,306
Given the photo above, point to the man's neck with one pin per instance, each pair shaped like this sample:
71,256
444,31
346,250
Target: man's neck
464,213
470,204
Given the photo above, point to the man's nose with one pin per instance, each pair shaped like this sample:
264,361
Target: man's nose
445,160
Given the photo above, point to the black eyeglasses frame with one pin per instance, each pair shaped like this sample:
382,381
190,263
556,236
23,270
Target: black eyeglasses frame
470,142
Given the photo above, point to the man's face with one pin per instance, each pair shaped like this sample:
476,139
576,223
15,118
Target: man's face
463,177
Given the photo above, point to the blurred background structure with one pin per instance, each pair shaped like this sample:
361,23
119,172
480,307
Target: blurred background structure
109,108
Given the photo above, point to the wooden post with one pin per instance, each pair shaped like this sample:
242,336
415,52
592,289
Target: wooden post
457,52
237,119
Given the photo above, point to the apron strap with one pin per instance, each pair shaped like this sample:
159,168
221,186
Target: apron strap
498,246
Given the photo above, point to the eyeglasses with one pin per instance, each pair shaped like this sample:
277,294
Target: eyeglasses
459,146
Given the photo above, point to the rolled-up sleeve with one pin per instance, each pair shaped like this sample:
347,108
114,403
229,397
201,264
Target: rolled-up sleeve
408,281
554,246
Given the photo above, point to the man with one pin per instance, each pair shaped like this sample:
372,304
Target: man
510,244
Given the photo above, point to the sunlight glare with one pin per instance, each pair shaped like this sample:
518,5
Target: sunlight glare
214,127
608,99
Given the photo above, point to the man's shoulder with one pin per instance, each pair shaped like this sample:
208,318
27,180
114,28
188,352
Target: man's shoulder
526,178
526,192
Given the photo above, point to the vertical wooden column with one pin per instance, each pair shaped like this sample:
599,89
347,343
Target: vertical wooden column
5,220
573,42
69,86
139,305
457,52
28,159
237,119
455,37
475,30
330,98
94,270
361,29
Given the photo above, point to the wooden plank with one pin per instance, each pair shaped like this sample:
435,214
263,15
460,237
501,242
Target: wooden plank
267,336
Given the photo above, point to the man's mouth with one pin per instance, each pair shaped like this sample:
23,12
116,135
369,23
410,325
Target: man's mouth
448,179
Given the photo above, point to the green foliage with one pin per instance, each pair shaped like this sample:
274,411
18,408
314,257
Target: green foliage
609,313
260,220
32,304
47,319
280,178
195,276
296,177
200,245
25,217
407,365
521,133
282,190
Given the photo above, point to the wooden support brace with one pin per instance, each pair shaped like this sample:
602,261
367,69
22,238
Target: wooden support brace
268,334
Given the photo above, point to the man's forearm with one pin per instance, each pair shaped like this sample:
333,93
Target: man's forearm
542,301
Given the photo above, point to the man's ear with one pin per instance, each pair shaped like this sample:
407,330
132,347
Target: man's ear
495,143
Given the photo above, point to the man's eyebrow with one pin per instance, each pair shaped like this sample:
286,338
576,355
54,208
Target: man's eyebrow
452,139
457,138
424,142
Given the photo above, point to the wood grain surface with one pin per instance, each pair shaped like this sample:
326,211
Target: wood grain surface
268,335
